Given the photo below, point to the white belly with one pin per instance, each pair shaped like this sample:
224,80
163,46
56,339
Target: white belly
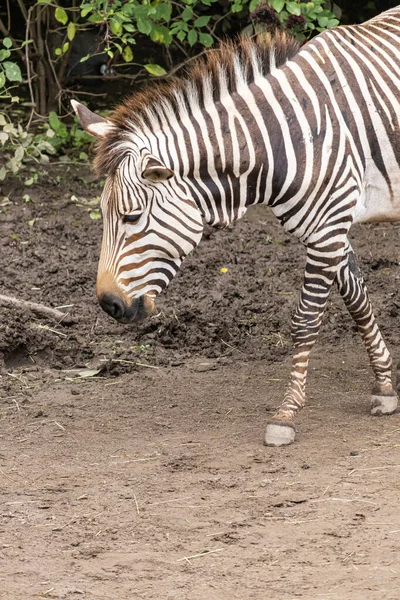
377,201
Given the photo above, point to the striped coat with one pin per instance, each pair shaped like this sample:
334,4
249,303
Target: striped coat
312,132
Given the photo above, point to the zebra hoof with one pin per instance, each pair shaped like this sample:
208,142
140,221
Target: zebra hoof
383,405
279,434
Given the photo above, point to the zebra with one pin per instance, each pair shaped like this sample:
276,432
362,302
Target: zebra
311,131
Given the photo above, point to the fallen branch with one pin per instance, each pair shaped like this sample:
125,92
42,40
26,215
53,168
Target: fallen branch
38,309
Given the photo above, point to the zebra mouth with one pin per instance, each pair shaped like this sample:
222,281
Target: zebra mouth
139,309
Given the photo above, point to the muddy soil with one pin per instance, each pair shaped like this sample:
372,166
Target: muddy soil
131,458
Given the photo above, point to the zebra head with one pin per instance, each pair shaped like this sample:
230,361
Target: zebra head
151,223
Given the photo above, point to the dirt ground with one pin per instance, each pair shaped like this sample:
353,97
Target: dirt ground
132,463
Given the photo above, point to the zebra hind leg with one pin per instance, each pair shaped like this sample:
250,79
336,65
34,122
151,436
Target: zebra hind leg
398,378
354,293
321,270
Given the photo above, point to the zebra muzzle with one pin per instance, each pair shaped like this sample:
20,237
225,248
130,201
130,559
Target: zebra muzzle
139,309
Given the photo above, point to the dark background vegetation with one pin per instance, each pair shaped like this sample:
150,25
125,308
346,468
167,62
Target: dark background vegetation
99,51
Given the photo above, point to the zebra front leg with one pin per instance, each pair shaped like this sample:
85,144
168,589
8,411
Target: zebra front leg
320,273
354,293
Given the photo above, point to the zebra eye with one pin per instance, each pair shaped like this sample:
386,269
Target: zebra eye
131,218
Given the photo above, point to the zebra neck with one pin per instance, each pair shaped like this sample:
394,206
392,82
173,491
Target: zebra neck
235,156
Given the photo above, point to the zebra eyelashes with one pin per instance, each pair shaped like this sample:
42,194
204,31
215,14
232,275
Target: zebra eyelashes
131,218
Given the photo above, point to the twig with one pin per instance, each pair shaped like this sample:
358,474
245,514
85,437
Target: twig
8,477
47,328
38,309
373,469
136,502
343,500
28,66
187,558
169,501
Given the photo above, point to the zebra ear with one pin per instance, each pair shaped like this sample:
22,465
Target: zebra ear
155,171
92,123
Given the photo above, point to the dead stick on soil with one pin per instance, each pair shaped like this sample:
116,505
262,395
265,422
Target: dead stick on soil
38,309
187,558
136,502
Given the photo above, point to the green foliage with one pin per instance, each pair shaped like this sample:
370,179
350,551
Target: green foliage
20,148
171,31
62,137
303,19
10,72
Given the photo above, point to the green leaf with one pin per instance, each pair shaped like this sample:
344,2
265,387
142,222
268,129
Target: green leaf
144,26
7,43
293,8
4,54
54,121
2,79
116,27
332,23
192,37
253,5
278,5
206,39
61,16
187,14
323,21
19,153
129,27
164,11
203,21
13,72
3,120
96,18
161,34
155,70
84,58
3,173
65,47
237,7
127,54
71,30
180,26
58,52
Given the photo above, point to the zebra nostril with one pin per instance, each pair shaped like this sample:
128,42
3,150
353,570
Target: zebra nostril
112,305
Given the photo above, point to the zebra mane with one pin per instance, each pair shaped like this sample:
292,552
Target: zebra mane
225,70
